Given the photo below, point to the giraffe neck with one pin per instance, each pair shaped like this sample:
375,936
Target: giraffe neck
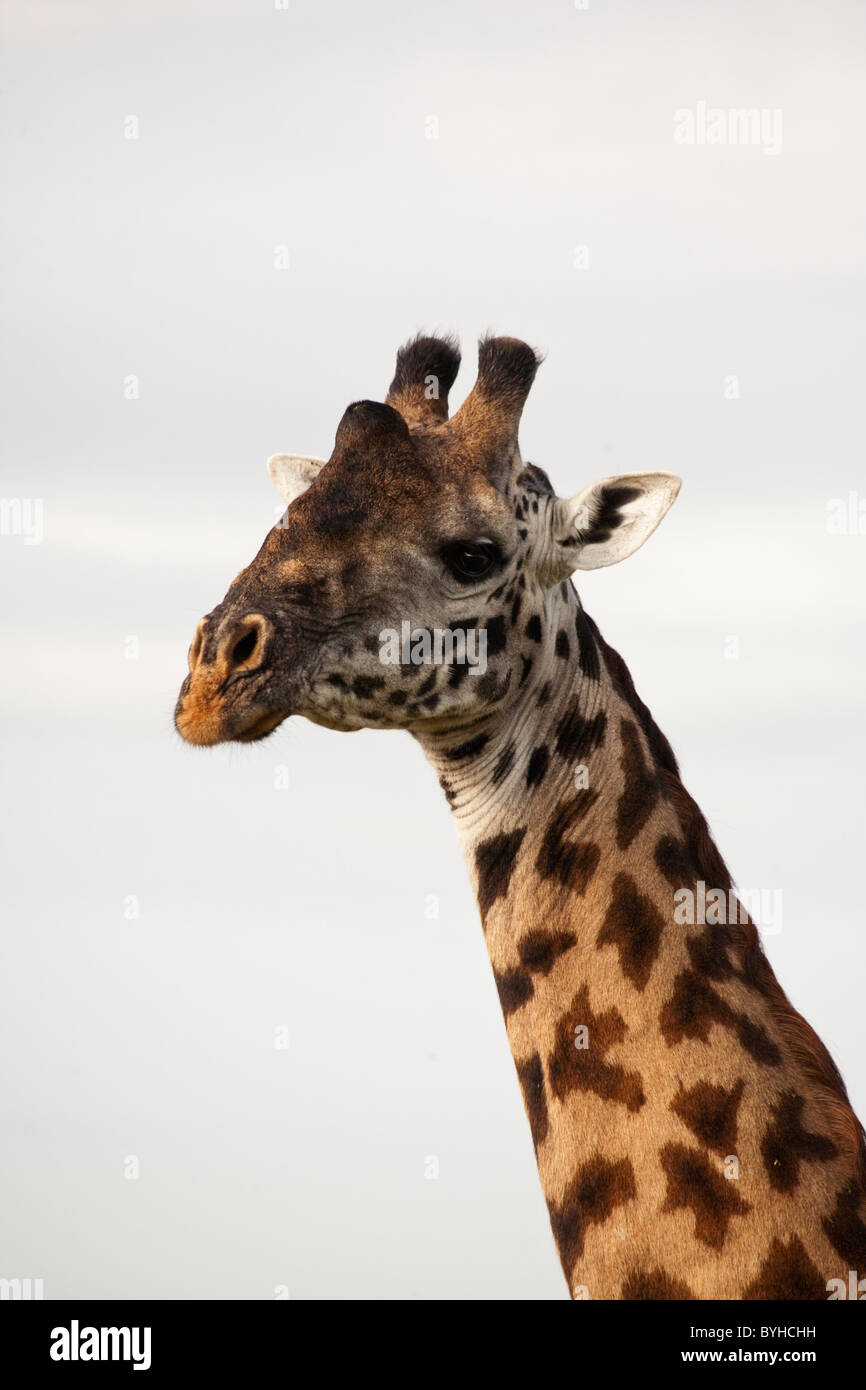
693,1136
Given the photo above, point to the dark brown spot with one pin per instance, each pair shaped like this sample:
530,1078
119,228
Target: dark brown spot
587,651
494,862
641,789
787,1272
599,1187
787,1143
491,687
571,864
539,950
577,736
533,628
515,988
562,647
536,479
695,1006
574,1068
845,1228
496,635
504,765
531,1077
470,749
694,1183
447,789
633,925
708,953
364,686
710,1112
537,765
654,1285
675,862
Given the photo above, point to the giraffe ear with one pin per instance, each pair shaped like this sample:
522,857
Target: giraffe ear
291,474
611,519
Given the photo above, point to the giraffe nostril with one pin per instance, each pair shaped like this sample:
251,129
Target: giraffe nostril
242,644
244,649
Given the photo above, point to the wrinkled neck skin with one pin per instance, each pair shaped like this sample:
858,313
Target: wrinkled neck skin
488,793
683,1148
551,746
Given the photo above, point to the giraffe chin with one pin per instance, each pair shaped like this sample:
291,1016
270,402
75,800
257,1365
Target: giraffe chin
261,728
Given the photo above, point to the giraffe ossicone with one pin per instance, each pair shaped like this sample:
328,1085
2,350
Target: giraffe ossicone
694,1138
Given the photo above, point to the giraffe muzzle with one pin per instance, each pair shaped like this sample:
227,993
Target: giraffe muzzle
222,699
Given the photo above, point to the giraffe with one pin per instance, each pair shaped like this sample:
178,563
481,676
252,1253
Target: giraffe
694,1138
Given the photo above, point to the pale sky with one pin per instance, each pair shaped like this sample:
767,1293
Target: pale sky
702,311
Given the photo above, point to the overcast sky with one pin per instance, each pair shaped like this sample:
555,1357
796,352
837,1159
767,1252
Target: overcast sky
222,219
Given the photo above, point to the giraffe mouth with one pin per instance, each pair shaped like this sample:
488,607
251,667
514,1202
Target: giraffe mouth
201,716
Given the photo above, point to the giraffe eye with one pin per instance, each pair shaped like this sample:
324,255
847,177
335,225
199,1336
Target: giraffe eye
468,560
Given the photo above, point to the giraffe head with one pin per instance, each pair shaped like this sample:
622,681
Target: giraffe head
400,585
